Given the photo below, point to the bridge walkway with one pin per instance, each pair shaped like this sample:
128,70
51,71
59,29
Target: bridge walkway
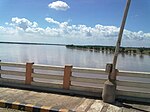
33,101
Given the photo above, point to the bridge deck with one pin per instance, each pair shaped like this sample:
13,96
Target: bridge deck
38,101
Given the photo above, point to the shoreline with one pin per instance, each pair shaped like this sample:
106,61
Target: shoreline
131,50
31,43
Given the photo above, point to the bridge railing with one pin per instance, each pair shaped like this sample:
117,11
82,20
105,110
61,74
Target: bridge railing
10,71
69,78
88,79
133,84
64,77
48,79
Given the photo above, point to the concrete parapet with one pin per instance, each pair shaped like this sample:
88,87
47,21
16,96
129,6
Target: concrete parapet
109,92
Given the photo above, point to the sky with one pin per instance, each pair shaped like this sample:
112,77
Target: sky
94,22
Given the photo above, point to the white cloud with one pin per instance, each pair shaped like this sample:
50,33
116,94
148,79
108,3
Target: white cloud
22,23
59,5
75,33
51,20
34,24
62,25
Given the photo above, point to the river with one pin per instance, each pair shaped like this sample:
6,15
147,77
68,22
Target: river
60,55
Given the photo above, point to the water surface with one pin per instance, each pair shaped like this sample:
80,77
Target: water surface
60,55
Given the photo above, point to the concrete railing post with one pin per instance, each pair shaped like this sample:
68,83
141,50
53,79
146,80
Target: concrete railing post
67,75
0,69
29,72
109,90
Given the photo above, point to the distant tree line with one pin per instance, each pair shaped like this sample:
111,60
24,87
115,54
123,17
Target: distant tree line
133,50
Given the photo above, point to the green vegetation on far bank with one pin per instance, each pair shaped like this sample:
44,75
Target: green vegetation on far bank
133,50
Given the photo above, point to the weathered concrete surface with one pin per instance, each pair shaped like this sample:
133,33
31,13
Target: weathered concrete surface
74,103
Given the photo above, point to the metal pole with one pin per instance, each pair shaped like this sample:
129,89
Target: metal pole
113,74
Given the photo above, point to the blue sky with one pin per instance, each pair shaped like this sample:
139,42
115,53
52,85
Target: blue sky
74,21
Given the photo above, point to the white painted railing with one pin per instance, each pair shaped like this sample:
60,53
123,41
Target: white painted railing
86,80
136,87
